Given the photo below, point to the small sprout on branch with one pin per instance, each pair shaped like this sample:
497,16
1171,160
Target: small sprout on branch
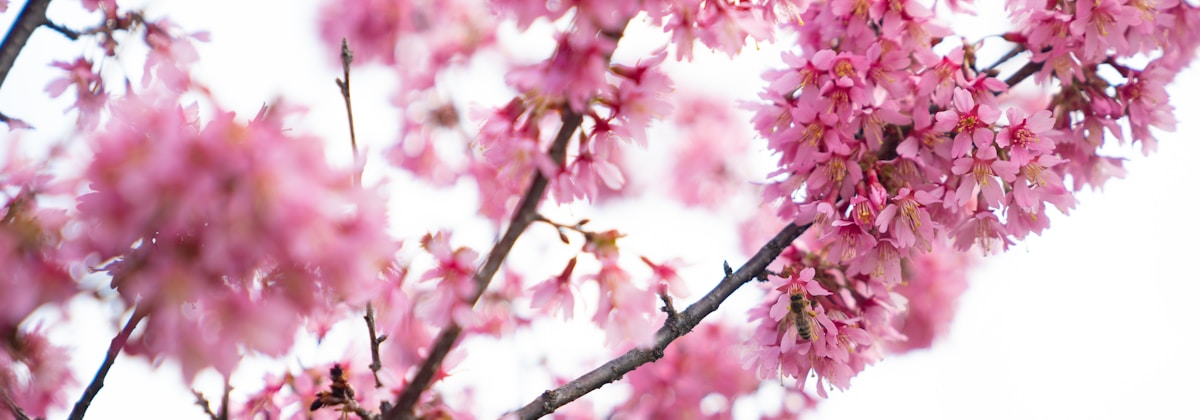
204,404
563,228
375,363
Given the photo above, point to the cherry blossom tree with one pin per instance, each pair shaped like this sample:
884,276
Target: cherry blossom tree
895,151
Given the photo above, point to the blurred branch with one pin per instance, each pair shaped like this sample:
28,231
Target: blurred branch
114,349
203,403
17,413
617,368
525,214
1022,73
343,84
32,16
375,340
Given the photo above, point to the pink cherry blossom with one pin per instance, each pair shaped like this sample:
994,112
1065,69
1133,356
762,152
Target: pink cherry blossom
556,294
1025,136
908,219
33,371
935,281
222,208
90,95
982,171
970,122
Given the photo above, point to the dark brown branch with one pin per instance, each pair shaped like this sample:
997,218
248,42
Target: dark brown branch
204,404
223,414
1022,73
375,340
525,214
114,349
1017,50
13,123
32,16
617,368
65,31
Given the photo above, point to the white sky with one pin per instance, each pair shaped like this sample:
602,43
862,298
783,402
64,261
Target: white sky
1093,320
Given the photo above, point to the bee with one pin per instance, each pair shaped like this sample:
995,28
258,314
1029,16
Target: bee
340,392
802,315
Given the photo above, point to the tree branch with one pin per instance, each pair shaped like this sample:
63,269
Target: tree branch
205,405
114,349
32,16
344,84
1022,73
617,368
375,340
17,412
525,214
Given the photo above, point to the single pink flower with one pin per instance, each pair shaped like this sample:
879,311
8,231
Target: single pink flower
970,122
1025,137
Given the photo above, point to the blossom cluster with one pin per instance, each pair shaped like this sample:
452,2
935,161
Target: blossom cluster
895,149
886,148
206,224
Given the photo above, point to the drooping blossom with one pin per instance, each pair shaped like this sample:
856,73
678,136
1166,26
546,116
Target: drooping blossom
210,224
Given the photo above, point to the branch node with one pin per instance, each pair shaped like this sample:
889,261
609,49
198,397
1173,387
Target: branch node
70,34
376,365
204,404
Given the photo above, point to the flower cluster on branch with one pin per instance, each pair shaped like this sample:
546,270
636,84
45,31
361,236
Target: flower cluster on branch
894,153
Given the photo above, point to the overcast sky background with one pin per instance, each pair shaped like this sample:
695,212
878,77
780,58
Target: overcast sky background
1096,319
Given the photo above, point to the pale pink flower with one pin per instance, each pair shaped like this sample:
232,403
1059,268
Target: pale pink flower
696,368
240,218
1102,25
984,229
90,95
907,217
33,372
626,312
848,239
981,172
556,294
941,76
933,285
722,26
1145,96
575,72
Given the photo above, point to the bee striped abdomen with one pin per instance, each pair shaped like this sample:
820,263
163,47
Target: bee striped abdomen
799,308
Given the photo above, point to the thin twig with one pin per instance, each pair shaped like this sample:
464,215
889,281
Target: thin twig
1017,50
203,403
375,340
525,214
344,84
65,31
114,349
32,16
615,369
17,412
13,123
